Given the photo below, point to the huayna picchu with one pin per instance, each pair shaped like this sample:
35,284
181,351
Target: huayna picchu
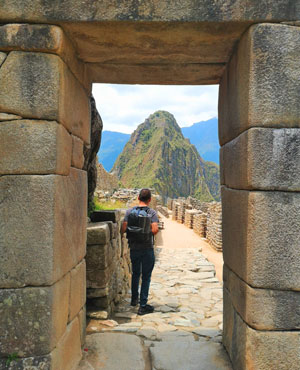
158,156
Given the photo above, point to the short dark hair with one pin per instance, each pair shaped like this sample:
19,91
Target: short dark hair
145,195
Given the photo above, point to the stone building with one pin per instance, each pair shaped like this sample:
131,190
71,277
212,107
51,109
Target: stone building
50,54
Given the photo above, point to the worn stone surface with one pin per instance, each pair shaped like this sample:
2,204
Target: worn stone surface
261,84
36,362
90,151
82,325
33,319
192,355
40,86
9,117
263,309
34,147
77,152
102,352
42,38
31,237
98,233
100,256
2,58
272,218
99,278
254,349
263,158
78,290
167,74
68,354
158,33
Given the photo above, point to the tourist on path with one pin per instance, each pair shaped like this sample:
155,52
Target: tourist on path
141,224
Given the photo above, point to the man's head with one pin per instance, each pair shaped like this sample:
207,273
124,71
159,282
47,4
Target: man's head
145,196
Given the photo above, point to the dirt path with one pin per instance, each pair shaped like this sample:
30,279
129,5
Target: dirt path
176,235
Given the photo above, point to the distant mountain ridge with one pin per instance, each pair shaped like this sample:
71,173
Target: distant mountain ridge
157,155
112,144
204,135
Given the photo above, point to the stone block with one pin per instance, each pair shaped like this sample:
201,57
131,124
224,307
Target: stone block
82,325
261,237
77,152
42,223
77,290
43,38
263,158
67,354
263,309
99,256
99,216
2,58
9,117
260,87
98,233
33,320
96,278
40,86
253,349
34,147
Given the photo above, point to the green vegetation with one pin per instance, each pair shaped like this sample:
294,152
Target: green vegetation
157,155
12,357
108,205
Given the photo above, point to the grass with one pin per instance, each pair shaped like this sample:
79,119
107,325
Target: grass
108,205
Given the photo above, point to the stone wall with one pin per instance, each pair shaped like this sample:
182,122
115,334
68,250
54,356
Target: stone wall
214,225
204,218
105,180
108,262
45,123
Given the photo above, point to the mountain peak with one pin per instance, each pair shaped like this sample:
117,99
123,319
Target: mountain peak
157,155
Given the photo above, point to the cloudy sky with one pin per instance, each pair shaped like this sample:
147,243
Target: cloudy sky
124,107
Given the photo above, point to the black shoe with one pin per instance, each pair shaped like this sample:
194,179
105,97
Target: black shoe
143,310
134,301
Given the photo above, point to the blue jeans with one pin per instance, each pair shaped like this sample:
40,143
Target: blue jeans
142,261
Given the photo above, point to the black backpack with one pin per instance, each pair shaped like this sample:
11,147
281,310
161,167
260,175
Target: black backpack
139,226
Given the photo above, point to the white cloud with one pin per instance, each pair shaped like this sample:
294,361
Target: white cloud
124,107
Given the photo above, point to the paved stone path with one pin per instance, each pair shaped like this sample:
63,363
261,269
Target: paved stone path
184,332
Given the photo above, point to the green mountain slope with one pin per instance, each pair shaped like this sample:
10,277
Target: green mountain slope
157,155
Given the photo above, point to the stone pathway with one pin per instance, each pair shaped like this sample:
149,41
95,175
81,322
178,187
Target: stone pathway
183,333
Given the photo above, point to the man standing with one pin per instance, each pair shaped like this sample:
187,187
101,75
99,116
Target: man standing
141,243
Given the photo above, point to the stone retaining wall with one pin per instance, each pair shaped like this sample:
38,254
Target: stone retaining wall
203,217
108,262
214,225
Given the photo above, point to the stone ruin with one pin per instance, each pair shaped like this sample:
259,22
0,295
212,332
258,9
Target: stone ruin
203,217
50,54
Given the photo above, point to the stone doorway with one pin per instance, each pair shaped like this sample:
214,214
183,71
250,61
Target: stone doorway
45,78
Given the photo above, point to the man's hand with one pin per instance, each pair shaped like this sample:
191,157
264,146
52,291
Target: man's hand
154,228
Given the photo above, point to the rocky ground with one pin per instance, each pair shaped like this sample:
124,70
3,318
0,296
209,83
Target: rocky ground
183,333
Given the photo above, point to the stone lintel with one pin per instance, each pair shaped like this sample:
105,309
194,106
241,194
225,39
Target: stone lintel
162,74
262,159
163,10
254,349
33,319
40,86
42,38
34,147
261,237
260,87
42,223
263,309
